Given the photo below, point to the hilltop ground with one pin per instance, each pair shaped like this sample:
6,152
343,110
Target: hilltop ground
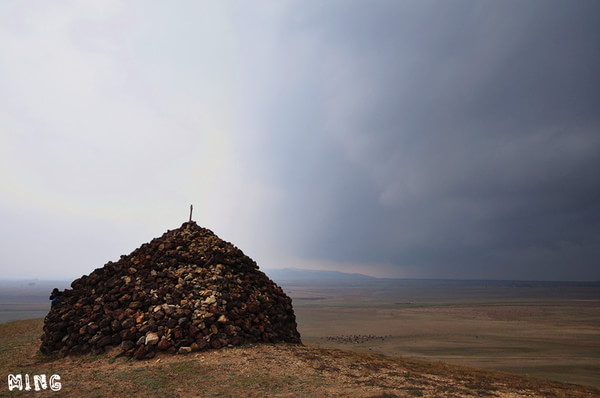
262,370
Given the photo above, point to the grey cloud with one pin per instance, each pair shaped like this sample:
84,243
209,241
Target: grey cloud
444,138
463,132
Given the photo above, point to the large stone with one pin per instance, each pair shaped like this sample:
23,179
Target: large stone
152,338
127,323
105,340
140,352
164,345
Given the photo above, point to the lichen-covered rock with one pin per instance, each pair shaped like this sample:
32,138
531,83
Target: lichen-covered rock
186,289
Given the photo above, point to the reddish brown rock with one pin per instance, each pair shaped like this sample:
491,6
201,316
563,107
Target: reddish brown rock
164,345
140,352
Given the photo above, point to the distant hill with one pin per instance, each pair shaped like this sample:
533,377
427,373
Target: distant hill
302,275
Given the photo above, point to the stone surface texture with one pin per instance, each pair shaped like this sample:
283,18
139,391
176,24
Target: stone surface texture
185,291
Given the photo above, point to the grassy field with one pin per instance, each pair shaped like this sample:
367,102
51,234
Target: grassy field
260,371
547,330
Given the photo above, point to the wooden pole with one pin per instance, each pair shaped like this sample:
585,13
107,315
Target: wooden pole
191,209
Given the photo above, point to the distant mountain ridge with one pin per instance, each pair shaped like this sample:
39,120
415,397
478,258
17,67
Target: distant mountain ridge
297,274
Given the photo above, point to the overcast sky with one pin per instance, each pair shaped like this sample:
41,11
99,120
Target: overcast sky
436,139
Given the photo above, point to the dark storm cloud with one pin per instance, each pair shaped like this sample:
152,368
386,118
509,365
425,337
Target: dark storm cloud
452,139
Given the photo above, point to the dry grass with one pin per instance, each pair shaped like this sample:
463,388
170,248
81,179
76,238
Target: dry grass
262,370
536,331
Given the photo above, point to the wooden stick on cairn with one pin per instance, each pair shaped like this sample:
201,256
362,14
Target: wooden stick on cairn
191,208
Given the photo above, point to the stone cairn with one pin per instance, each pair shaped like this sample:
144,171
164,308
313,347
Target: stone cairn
185,291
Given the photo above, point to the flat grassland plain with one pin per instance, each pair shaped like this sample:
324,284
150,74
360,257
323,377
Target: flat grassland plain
26,299
543,329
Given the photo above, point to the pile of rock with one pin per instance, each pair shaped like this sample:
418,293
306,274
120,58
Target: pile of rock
185,291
